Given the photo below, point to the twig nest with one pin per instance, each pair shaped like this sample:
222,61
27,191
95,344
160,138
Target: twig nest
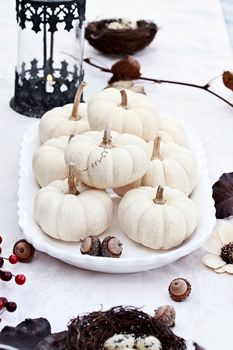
92,330
148,343
120,36
119,342
179,289
166,314
24,250
91,245
111,247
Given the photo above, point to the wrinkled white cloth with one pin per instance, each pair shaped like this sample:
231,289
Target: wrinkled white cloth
191,45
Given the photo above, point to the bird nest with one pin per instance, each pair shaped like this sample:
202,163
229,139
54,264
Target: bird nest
120,41
89,332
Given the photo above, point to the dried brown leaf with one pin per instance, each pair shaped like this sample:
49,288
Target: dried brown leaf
227,78
126,69
223,196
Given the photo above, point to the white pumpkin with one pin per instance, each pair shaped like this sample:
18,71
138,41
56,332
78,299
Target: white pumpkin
108,160
172,130
48,161
71,119
71,213
125,111
171,165
157,218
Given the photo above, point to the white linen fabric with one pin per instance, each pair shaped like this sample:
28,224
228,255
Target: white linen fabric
192,46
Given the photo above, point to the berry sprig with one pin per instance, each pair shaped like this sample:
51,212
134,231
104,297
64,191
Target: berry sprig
6,276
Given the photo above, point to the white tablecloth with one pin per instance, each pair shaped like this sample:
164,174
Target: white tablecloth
191,45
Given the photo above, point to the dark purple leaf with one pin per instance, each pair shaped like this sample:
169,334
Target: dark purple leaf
223,196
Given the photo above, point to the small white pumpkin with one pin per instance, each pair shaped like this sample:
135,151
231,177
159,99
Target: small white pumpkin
171,165
69,212
157,218
71,119
172,130
108,159
125,111
48,161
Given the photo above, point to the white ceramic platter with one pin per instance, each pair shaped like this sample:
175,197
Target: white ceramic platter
135,258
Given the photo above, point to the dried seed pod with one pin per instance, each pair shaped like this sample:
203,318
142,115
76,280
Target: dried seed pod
23,250
91,245
111,247
129,85
166,314
227,78
179,289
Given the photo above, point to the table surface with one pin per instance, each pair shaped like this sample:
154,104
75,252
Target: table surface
192,45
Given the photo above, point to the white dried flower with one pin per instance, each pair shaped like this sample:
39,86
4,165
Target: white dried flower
220,245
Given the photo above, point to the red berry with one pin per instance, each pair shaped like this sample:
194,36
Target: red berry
1,262
13,259
0,239
4,300
20,279
5,275
1,304
11,306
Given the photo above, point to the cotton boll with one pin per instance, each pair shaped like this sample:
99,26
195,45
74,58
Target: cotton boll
148,343
120,342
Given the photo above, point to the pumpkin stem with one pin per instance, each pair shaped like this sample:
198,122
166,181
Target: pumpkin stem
72,180
107,139
159,196
70,137
156,148
74,114
124,99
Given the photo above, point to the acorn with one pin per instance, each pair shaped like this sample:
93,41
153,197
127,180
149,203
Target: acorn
179,289
111,247
91,245
166,314
24,251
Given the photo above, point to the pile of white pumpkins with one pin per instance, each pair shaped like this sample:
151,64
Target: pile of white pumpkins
116,141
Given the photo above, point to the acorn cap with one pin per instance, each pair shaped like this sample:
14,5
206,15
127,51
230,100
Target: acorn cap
179,289
91,245
24,251
166,314
111,247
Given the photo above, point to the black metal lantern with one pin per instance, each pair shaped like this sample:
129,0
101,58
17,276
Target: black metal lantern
50,54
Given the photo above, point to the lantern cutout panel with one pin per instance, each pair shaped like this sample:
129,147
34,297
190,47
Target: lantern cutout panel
50,54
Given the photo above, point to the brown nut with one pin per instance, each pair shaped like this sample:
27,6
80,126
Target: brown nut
91,245
23,250
166,314
179,289
111,247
